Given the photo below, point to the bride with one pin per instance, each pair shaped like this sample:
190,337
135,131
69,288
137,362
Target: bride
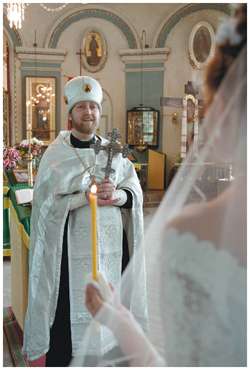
196,245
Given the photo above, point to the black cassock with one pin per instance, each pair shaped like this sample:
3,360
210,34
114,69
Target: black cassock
60,352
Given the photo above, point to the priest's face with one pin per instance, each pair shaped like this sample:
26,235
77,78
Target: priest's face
85,117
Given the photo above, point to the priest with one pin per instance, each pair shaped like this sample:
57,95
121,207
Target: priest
60,240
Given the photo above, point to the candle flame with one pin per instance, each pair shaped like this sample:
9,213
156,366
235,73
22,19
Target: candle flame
93,189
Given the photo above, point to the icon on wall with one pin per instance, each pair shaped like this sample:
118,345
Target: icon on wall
40,107
94,48
201,44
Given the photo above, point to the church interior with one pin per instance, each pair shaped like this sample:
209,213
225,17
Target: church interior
149,59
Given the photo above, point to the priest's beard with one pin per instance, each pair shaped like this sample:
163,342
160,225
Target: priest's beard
85,127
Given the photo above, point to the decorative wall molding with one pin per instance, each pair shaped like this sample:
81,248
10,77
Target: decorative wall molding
78,15
147,55
183,12
145,69
40,54
12,32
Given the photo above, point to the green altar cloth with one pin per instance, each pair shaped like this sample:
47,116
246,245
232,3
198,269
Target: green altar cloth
23,212
6,224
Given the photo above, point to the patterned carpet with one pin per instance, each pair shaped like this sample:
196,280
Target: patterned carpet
14,337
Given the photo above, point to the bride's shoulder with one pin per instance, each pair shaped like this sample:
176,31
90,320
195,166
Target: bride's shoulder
193,237
185,254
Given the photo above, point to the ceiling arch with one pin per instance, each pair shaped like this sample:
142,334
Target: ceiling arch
93,13
181,13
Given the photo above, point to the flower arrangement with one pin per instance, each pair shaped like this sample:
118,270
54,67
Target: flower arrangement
36,147
18,153
10,158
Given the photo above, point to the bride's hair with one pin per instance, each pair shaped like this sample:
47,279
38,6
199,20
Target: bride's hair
231,38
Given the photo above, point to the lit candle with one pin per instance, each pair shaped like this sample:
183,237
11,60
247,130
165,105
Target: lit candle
29,130
93,208
29,135
30,166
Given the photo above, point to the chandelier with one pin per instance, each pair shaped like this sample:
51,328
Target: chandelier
41,101
15,11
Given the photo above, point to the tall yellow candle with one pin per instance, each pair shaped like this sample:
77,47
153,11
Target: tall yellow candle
29,134
93,208
29,156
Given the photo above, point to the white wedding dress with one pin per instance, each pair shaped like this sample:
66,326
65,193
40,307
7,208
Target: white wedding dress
196,286
204,294
202,315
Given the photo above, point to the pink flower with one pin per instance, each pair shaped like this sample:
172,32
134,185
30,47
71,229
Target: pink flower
6,162
10,157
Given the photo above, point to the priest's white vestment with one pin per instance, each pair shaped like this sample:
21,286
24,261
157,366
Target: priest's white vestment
63,177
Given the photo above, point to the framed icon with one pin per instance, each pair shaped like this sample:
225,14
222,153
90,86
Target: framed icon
40,107
201,44
94,47
143,127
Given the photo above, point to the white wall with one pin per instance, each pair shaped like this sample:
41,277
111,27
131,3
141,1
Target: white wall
148,16
178,72
111,76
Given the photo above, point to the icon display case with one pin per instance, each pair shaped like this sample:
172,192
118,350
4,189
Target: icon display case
143,127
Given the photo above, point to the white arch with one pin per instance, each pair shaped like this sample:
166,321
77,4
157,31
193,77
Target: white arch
90,6
163,23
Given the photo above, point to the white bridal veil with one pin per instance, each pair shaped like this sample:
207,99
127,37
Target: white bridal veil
195,252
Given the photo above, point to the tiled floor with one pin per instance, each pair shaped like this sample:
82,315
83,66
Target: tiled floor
148,214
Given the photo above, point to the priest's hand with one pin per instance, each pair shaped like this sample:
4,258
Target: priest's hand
105,194
105,190
104,202
107,202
